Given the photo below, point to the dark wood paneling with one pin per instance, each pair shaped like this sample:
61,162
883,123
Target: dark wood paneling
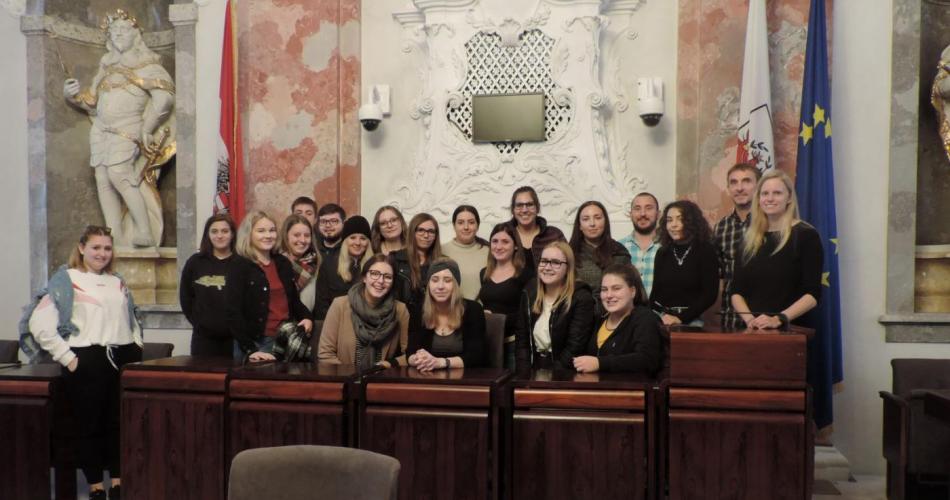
579,399
260,424
331,392
24,446
39,388
755,360
173,446
735,399
422,394
578,455
174,381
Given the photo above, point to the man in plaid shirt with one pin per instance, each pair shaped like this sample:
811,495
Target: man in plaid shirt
741,181
642,244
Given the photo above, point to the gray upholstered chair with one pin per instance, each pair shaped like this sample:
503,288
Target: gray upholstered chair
495,339
157,350
915,444
303,472
9,351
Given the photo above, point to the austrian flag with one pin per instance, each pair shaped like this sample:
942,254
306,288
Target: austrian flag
755,101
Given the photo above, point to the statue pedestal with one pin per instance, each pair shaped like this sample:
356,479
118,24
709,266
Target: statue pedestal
150,273
932,284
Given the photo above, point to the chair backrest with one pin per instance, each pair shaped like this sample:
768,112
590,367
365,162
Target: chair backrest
9,351
157,350
911,374
928,437
495,339
305,471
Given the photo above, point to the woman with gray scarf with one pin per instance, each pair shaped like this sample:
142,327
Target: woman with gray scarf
367,326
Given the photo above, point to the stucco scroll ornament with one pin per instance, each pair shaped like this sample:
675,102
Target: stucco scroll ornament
940,98
509,29
131,105
15,8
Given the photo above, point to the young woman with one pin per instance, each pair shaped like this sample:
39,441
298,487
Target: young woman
413,261
533,231
298,244
592,245
503,281
448,331
340,272
368,326
389,230
686,270
202,290
261,292
87,324
556,314
628,340
467,248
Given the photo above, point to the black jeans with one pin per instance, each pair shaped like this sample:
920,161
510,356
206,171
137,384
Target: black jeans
203,344
93,392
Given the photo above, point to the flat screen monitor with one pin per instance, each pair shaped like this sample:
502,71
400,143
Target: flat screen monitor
508,118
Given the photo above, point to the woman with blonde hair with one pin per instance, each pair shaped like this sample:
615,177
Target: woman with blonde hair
298,244
389,231
261,290
339,273
556,314
447,331
412,262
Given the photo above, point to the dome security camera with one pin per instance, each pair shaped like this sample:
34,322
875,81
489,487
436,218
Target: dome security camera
370,115
650,100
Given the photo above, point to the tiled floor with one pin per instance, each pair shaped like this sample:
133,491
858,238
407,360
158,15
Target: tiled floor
860,488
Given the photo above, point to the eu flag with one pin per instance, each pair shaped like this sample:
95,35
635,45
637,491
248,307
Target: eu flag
815,186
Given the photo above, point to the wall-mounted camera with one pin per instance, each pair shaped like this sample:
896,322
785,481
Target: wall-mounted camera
650,100
372,113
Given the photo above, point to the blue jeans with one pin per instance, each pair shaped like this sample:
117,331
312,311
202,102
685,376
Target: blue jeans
265,344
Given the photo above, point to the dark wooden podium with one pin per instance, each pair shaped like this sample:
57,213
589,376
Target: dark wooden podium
173,428
740,421
582,436
441,426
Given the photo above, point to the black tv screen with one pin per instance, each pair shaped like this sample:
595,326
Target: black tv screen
508,118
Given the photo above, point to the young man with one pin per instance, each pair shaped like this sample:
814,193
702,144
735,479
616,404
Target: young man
305,207
329,227
642,244
741,180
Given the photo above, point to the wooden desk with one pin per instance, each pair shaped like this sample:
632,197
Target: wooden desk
291,403
443,427
173,428
581,436
739,416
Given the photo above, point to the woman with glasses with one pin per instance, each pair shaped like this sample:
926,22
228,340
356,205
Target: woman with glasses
467,248
413,261
686,269
262,291
628,339
367,326
86,322
593,247
533,231
341,271
202,295
447,330
503,281
298,245
556,314
389,230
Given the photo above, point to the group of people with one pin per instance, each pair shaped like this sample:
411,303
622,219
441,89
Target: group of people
391,293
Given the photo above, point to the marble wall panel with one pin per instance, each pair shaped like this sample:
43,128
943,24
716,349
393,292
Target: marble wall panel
299,73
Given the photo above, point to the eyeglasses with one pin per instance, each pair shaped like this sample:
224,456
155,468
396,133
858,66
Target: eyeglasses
329,222
427,232
524,205
389,222
554,264
376,276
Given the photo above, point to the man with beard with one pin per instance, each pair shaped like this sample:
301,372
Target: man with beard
642,243
329,226
741,180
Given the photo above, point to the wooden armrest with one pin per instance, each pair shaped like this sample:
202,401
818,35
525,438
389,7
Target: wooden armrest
895,428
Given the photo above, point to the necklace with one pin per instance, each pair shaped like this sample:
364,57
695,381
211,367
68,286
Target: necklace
680,260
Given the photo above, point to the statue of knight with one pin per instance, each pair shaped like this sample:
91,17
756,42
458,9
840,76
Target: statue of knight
130,103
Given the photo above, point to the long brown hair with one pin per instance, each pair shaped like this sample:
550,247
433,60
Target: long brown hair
603,251
517,258
456,304
567,289
206,248
75,256
435,251
283,242
376,233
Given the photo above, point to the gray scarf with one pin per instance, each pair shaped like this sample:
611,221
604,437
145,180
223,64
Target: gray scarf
373,325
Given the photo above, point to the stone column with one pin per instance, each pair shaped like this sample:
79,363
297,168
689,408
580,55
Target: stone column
33,27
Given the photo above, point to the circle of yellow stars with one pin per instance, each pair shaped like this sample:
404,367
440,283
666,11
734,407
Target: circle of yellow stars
808,131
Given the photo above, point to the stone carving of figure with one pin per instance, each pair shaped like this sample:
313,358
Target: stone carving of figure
940,98
130,103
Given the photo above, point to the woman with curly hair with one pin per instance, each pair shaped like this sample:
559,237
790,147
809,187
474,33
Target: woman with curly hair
686,272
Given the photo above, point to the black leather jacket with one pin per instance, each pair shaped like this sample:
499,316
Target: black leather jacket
570,328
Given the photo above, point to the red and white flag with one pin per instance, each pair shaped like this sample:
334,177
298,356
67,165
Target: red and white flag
755,101
229,191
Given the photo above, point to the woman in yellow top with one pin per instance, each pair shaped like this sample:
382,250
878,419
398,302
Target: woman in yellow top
628,340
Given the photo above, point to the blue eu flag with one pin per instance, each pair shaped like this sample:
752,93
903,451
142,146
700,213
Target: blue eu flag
815,186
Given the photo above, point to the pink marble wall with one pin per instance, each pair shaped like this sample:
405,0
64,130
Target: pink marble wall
711,44
299,86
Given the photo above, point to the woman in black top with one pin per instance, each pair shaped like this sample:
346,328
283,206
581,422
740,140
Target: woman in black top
686,270
532,230
593,246
556,313
202,294
341,271
261,292
413,261
448,331
778,278
503,282
389,230
628,340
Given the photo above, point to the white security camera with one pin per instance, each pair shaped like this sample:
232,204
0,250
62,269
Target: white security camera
650,100
370,116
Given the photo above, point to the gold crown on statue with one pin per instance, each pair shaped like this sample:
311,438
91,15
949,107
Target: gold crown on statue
118,15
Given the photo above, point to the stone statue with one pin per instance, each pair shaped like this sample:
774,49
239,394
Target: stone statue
940,98
130,103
